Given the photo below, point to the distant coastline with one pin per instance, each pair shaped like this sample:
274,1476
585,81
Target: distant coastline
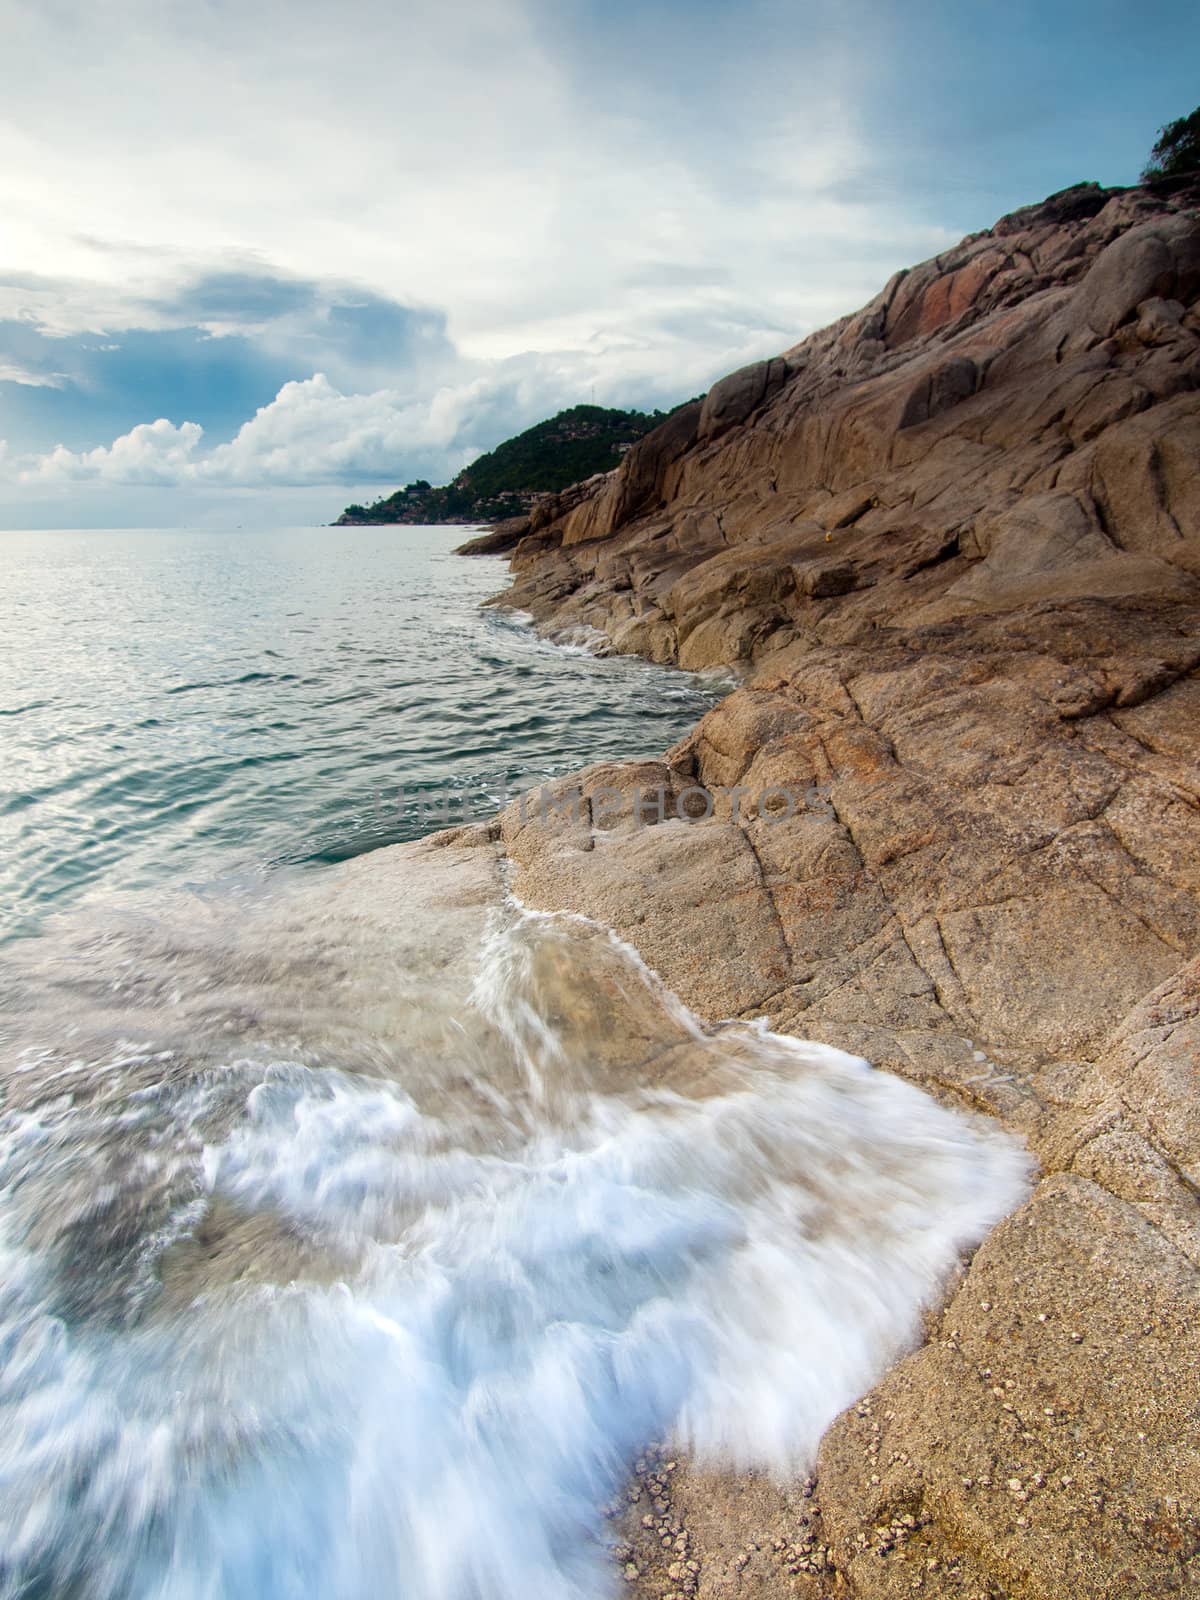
573,446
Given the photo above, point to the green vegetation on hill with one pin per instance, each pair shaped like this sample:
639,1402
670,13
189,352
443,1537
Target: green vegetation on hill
503,483
1176,150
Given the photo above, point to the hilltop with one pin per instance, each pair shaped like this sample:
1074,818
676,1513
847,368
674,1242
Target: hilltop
576,444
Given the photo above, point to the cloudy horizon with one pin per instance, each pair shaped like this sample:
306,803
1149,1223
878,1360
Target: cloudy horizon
263,260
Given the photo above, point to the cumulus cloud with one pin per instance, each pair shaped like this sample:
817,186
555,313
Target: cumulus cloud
312,433
152,453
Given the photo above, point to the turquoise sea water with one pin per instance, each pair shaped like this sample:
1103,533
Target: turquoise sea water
176,706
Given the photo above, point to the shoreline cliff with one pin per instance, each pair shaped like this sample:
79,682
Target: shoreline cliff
954,544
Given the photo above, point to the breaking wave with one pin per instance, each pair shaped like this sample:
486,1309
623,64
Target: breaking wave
357,1236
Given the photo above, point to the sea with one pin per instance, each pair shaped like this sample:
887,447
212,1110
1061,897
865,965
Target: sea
360,1226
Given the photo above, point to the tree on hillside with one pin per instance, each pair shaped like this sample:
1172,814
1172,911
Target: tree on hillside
1176,150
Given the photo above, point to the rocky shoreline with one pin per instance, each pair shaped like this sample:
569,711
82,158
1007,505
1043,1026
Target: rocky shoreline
953,542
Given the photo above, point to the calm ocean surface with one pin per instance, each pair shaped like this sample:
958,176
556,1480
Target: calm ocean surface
178,706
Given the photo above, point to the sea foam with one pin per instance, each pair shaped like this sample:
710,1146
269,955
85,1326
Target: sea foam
396,1321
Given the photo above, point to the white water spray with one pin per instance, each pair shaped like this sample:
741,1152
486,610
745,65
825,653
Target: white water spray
360,1303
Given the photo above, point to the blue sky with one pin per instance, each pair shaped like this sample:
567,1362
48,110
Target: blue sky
262,258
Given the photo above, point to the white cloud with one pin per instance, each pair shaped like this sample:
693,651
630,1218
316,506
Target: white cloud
152,453
604,201
489,156
313,433
10,372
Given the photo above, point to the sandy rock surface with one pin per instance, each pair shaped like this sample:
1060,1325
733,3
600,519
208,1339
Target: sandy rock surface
954,543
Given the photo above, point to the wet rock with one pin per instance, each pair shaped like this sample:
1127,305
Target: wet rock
955,544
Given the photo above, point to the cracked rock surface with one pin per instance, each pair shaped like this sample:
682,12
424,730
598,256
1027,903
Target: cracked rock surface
953,543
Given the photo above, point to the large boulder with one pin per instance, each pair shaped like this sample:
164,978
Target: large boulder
736,398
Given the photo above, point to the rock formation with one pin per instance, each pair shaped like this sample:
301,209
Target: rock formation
954,544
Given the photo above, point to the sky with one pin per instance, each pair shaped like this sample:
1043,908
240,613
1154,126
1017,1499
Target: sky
259,258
